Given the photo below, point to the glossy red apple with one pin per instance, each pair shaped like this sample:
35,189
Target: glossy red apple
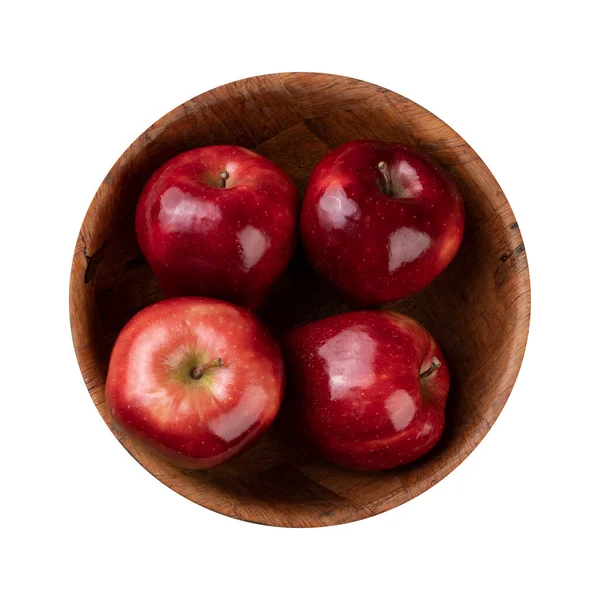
196,380
218,221
380,221
366,389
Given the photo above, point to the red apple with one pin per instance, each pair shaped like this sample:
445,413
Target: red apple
367,389
196,380
218,221
380,221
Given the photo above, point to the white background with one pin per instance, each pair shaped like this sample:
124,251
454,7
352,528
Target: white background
80,518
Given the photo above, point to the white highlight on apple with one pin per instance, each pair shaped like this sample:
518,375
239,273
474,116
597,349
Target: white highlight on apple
401,409
335,208
182,211
139,362
231,425
351,351
426,429
405,245
254,244
405,180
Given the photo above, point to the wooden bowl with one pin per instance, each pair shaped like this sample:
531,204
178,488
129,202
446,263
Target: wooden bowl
478,309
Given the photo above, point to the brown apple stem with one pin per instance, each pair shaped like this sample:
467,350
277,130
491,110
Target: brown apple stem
382,166
211,364
434,366
224,176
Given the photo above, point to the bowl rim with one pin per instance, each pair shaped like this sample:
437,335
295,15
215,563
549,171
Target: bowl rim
83,257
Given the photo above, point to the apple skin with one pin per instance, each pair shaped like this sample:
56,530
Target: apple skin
374,248
355,393
194,423
230,243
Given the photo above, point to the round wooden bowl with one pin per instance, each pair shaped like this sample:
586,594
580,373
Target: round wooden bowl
478,309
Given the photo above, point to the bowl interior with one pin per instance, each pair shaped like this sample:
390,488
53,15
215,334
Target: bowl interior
478,309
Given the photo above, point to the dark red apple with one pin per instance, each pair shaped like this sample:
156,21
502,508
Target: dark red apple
366,389
218,221
196,380
380,221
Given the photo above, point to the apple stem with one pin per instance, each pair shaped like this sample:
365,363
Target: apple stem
434,366
224,175
211,364
382,166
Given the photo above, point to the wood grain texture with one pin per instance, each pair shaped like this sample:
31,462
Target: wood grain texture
478,309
